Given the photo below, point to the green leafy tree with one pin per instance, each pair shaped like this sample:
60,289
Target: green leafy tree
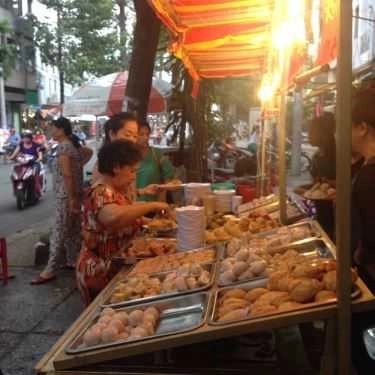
85,41
7,50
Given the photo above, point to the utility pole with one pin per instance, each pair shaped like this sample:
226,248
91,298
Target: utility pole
2,100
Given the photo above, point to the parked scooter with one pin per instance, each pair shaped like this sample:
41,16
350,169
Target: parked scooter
23,176
226,161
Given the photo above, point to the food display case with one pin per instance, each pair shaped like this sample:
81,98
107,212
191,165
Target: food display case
190,318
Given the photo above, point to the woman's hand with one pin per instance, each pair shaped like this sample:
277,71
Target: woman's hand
152,189
160,206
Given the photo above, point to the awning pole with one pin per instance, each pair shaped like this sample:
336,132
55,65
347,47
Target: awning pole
343,181
263,157
282,139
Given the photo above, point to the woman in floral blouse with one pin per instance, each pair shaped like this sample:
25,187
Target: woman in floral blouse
110,218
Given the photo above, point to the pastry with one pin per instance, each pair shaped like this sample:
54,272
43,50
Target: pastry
325,295
253,294
304,290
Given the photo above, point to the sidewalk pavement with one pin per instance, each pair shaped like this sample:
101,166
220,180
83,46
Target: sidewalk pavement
32,317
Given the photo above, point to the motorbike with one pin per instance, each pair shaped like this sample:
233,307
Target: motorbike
23,178
226,161
50,156
8,149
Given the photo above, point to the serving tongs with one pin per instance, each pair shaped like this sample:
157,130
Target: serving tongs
177,311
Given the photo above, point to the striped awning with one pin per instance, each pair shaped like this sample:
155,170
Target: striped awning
218,38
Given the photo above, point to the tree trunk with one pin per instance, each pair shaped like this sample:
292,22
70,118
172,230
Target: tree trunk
122,26
60,58
146,37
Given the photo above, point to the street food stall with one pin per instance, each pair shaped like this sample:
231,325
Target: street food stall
255,271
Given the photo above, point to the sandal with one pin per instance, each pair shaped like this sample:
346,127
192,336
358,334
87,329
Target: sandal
42,280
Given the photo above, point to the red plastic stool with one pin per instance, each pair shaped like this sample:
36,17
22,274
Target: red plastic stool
4,260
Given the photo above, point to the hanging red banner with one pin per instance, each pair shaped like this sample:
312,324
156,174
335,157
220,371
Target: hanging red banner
328,34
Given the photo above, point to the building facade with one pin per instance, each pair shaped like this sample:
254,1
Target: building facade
21,86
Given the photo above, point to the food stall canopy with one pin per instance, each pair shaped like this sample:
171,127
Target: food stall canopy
218,38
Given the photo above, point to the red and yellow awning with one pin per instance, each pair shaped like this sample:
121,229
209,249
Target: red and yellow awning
218,38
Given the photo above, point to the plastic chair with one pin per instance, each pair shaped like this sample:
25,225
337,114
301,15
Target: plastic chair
4,260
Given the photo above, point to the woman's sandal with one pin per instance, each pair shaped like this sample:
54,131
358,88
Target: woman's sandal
42,280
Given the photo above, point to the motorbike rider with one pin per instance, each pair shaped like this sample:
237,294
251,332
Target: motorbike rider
28,147
13,139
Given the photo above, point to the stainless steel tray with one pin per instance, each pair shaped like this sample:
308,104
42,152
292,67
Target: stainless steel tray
216,257
315,231
179,314
153,239
310,247
274,212
261,284
317,247
247,208
161,276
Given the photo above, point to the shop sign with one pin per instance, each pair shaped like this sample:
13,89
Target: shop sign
328,32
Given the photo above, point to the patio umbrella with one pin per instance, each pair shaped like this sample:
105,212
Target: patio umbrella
105,96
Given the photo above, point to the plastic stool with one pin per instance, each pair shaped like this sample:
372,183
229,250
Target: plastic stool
4,260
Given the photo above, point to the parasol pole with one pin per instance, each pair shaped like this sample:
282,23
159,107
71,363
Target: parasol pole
343,178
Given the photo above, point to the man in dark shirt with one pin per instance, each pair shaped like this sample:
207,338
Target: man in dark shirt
363,217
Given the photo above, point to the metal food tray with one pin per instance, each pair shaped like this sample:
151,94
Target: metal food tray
274,211
161,276
268,200
314,229
160,229
178,315
317,247
309,247
273,208
212,247
149,239
130,260
262,284
316,232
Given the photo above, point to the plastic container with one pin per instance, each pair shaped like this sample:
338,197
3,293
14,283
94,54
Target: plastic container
248,192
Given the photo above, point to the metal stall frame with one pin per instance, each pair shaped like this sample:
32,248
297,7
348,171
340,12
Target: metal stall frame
343,178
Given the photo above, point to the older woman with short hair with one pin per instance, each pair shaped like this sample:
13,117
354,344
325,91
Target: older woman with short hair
110,218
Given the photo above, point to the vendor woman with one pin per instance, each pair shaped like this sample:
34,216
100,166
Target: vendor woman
110,219
155,167
123,125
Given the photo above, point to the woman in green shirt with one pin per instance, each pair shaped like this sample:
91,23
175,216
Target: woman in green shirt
155,167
